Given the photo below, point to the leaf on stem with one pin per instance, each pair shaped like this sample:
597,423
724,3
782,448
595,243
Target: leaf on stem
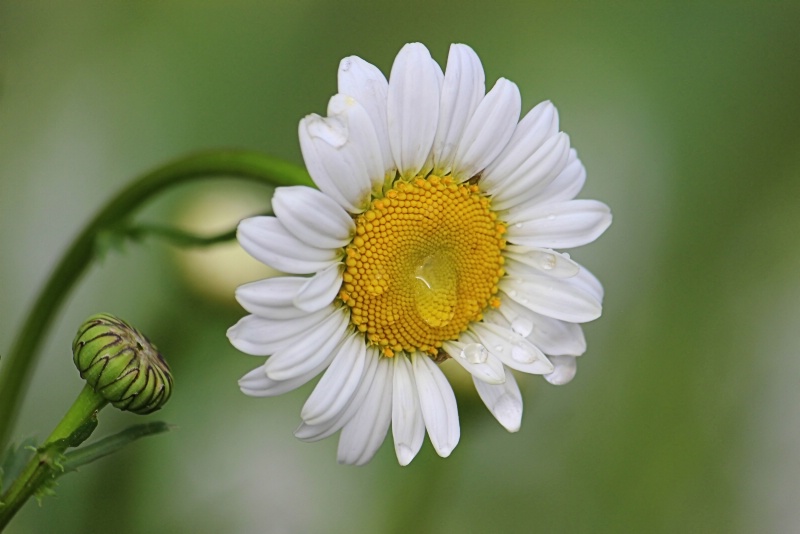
13,461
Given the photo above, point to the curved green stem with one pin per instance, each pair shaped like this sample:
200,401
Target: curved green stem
46,462
20,360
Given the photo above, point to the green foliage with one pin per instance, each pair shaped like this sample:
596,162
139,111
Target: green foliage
111,444
13,461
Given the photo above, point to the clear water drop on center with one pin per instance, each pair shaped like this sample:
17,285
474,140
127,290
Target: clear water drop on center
435,289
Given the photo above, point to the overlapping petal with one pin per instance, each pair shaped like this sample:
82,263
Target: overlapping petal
268,241
489,130
412,107
408,427
364,433
342,153
565,224
368,86
438,405
462,90
339,383
503,400
313,217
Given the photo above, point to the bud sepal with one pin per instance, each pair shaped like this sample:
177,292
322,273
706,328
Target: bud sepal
121,364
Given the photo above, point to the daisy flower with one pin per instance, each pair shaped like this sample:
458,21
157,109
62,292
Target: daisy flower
431,237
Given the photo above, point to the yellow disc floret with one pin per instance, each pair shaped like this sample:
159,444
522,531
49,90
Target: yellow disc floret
424,264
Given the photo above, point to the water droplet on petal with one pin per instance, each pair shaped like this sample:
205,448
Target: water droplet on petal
498,348
550,216
435,289
521,354
522,326
548,261
518,225
475,353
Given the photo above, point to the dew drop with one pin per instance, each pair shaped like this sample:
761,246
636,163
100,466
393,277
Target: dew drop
548,261
435,289
550,217
378,282
474,353
498,348
522,326
521,355
518,225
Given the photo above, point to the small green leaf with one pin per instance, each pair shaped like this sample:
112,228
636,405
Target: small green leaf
83,432
89,453
13,461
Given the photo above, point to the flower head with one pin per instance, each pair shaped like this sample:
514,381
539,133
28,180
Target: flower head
431,236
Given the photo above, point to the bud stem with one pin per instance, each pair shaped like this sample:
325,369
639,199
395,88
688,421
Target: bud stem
46,460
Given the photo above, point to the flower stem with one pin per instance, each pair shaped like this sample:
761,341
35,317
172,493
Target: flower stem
16,371
46,461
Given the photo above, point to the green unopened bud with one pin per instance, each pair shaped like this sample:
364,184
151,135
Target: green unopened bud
121,364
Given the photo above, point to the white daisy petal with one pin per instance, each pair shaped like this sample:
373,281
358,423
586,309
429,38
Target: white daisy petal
489,129
363,148
363,434
544,260
272,298
557,338
512,348
333,161
567,224
308,350
254,381
462,90
257,384
308,432
319,290
566,367
551,336
260,336
540,124
364,82
589,283
476,359
313,217
554,297
567,184
408,427
438,405
268,241
339,383
412,107
535,174
503,400
517,317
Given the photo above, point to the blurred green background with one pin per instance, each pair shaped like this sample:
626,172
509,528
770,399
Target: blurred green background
684,414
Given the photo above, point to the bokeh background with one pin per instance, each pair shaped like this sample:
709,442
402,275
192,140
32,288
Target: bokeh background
685,413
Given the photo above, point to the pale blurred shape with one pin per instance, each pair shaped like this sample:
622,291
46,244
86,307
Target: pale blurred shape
216,271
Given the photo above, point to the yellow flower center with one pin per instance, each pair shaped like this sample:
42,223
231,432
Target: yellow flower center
424,264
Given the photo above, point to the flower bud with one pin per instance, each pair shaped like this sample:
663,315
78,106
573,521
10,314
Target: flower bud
121,364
